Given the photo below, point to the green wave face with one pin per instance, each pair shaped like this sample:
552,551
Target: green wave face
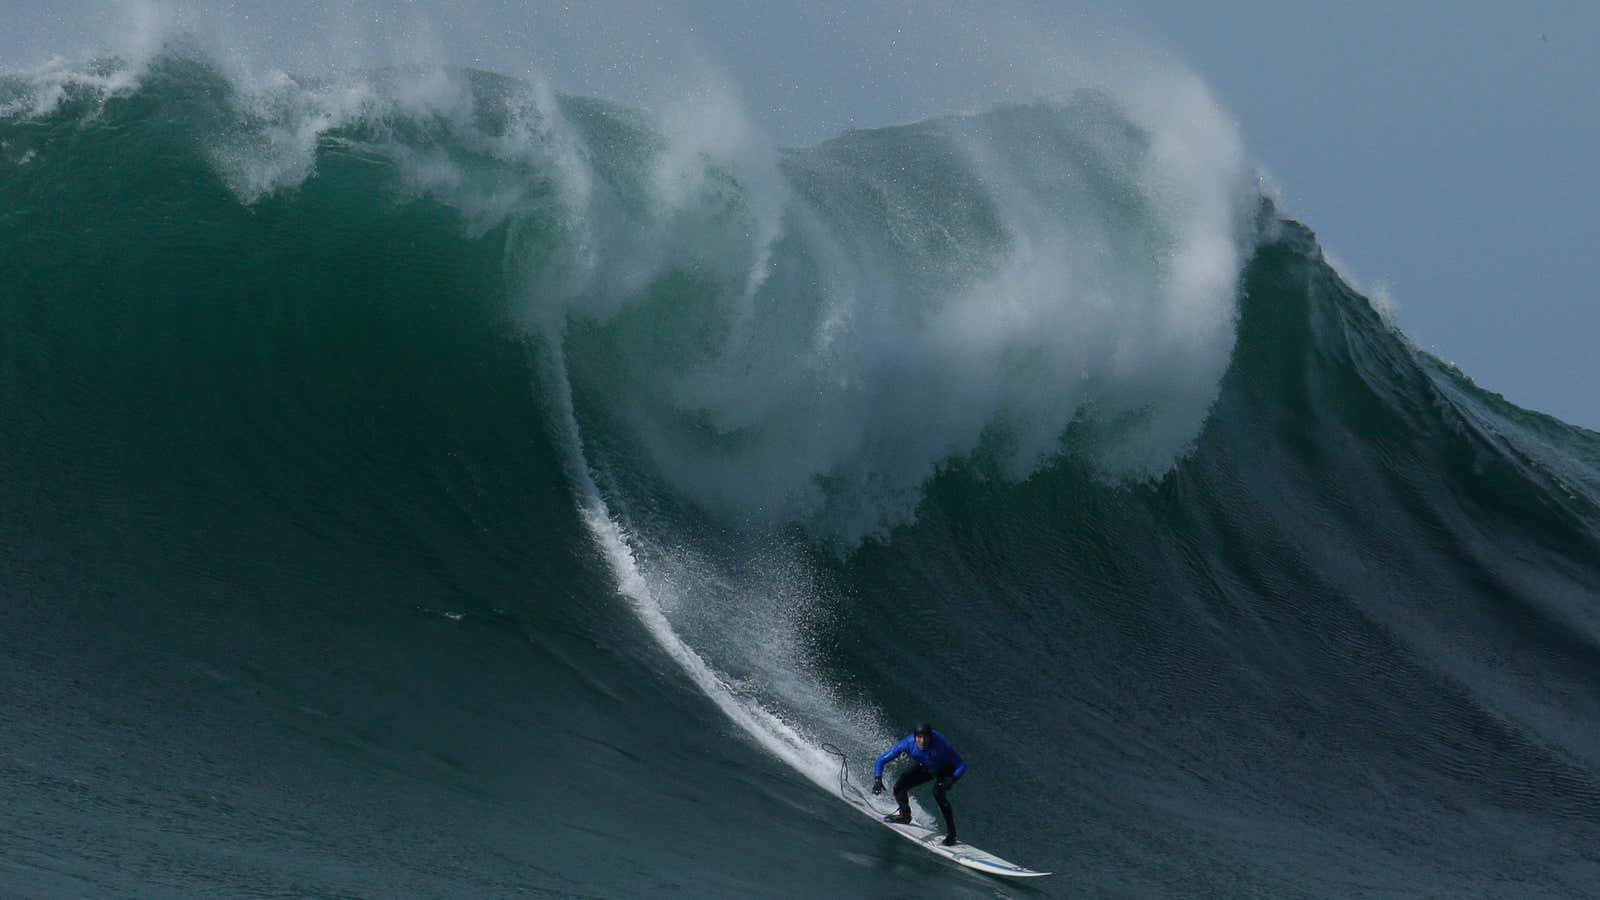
445,487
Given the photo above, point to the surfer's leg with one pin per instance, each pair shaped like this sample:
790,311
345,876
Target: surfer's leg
941,797
909,779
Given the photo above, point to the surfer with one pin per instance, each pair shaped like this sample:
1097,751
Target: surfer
936,761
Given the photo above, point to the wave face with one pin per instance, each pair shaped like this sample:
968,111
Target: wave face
418,483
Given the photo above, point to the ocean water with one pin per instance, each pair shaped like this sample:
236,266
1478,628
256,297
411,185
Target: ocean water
417,482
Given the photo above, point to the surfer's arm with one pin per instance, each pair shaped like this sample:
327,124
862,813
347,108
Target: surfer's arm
891,753
961,764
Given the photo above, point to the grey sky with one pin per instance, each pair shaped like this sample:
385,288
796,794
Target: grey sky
1445,150
1448,149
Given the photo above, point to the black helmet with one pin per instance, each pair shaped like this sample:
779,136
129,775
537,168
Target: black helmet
923,728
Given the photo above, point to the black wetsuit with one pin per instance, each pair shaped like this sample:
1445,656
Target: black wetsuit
916,776
939,761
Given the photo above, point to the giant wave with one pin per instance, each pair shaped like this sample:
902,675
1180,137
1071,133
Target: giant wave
418,481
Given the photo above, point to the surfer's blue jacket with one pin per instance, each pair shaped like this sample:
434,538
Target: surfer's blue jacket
940,758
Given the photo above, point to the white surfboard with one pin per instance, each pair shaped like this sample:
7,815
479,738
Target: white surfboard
962,853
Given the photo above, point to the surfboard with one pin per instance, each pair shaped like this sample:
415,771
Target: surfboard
961,853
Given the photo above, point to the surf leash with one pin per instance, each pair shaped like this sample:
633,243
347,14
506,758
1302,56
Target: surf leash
845,787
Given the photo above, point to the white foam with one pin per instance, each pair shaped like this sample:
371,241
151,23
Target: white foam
1379,294
283,118
707,133
420,119
133,32
50,83
651,598
832,401
282,125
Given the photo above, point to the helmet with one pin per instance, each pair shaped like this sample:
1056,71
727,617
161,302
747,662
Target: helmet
922,728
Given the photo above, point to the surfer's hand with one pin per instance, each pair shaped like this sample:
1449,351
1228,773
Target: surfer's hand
877,785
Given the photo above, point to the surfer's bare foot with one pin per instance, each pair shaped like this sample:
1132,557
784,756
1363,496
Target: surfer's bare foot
949,840
899,818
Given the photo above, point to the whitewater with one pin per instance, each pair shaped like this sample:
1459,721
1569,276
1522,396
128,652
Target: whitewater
425,481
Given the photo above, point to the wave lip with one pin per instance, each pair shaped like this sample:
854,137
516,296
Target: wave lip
972,283
801,336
